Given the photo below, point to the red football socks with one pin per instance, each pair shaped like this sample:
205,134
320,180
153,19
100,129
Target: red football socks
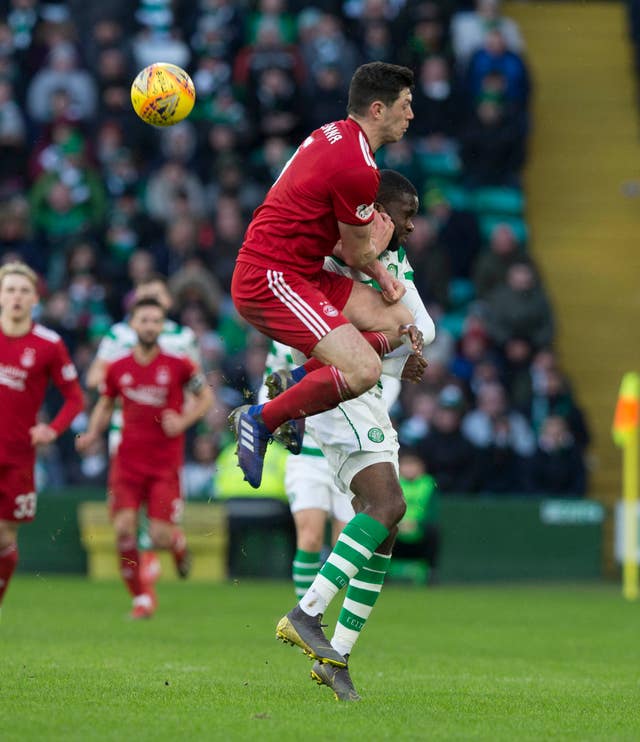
130,564
377,340
178,545
8,561
320,390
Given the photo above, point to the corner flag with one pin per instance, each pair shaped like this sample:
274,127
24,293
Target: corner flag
625,434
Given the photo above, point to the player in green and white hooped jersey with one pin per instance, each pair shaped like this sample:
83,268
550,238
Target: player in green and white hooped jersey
118,342
361,448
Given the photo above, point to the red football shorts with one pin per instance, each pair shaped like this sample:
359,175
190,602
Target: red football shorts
160,492
18,499
289,308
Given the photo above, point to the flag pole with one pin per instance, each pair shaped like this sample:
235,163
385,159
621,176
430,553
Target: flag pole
630,507
625,435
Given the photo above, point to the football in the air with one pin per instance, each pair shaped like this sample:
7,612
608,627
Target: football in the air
162,94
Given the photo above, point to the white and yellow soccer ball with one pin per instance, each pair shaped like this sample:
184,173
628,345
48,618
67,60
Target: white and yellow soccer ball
162,94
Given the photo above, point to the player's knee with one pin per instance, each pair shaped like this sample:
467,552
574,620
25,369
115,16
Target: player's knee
160,538
366,374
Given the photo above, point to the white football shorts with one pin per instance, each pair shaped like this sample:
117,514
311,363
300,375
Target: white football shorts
309,483
355,435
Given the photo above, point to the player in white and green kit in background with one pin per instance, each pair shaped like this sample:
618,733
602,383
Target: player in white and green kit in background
118,342
361,450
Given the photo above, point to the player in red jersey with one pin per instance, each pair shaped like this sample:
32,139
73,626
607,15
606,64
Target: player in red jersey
321,204
30,356
146,467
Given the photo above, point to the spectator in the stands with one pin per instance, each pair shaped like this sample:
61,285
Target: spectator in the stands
505,439
268,50
492,264
558,466
426,35
552,397
62,73
436,105
13,151
16,240
450,458
492,144
496,60
430,261
457,229
195,285
520,308
419,414
473,347
468,29
376,42
324,101
172,183
327,45
274,105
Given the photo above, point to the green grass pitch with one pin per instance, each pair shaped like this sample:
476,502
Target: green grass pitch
451,663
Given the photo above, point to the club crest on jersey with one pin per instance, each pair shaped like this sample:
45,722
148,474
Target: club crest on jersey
28,357
126,380
329,309
364,212
163,376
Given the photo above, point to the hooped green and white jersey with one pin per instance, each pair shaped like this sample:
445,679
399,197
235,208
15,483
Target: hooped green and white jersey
121,338
120,341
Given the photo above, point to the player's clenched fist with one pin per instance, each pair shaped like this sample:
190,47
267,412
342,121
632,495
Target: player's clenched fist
172,423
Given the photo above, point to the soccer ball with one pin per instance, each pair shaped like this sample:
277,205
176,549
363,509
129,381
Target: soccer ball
162,94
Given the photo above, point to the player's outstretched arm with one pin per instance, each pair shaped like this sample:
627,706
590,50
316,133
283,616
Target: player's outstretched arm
98,423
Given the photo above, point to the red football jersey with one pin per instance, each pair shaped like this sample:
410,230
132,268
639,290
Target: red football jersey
27,363
146,392
331,177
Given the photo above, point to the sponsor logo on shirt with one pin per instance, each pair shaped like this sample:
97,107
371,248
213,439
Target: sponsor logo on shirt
153,396
364,212
28,357
13,377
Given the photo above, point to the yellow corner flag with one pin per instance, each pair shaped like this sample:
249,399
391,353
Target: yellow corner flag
625,435
627,414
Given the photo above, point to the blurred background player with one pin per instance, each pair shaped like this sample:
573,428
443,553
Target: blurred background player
118,342
146,467
321,201
361,447
30,356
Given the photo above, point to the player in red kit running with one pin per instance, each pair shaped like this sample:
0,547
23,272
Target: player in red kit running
30,356
321,204
145,469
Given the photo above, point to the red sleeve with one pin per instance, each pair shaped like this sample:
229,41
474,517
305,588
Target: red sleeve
65,377
353,192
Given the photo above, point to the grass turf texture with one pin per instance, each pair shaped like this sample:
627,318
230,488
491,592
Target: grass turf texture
498,663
